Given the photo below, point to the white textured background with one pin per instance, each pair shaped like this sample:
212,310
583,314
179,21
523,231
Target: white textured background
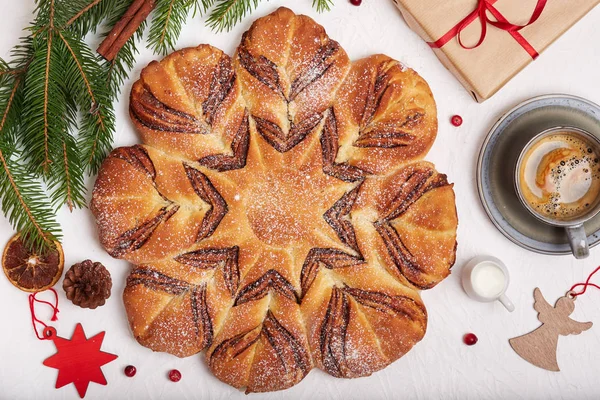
438,367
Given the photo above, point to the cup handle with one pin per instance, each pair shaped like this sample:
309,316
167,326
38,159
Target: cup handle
578,241
506,303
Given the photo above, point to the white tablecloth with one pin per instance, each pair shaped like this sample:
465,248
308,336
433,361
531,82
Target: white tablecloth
440,366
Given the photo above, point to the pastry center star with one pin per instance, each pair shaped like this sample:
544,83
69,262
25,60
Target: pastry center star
280,206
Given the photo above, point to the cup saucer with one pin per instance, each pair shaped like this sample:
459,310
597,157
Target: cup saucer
498,157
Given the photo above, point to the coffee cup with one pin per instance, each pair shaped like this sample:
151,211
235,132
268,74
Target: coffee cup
557,179
486,278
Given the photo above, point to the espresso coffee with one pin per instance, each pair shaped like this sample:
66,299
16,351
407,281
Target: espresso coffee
559,176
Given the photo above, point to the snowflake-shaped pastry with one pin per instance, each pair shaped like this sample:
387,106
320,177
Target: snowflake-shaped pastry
277,214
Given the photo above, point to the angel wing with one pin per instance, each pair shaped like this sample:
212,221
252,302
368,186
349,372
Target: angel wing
572,327
540,304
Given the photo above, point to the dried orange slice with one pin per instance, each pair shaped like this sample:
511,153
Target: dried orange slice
29,271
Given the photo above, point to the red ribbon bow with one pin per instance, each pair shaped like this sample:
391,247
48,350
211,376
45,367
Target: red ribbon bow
481,13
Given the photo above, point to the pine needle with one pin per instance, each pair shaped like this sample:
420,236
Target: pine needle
43,125
228,13
322,5
25,204
169,17
66,180
93,99
11,95
81,8
202,6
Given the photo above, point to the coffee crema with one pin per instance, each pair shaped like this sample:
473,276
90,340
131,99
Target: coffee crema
560,176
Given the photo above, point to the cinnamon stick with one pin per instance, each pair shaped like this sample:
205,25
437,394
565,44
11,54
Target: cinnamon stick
125,28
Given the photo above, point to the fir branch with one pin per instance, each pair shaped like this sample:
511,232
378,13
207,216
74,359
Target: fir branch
94,100
227,13
23,200
11,98
44,123
322,5
88,23
66,180
169,17
53,76
68,198
26,206
46,94
85,78
69,195
202,6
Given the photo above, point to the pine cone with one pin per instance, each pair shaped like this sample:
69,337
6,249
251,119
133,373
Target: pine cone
87,284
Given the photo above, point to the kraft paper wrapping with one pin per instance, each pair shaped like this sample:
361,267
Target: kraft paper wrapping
485,69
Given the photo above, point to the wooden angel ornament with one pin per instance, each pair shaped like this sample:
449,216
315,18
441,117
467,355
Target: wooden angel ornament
539,347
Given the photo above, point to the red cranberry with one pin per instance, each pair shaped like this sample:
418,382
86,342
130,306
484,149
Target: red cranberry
130,371
456,120
174,375
470,339
356,2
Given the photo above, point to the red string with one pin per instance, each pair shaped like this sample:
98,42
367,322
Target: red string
585,285
47,330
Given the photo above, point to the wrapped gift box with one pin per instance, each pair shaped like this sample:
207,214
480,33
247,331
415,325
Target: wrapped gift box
504,51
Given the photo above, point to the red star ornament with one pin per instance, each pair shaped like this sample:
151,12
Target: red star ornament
78,360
